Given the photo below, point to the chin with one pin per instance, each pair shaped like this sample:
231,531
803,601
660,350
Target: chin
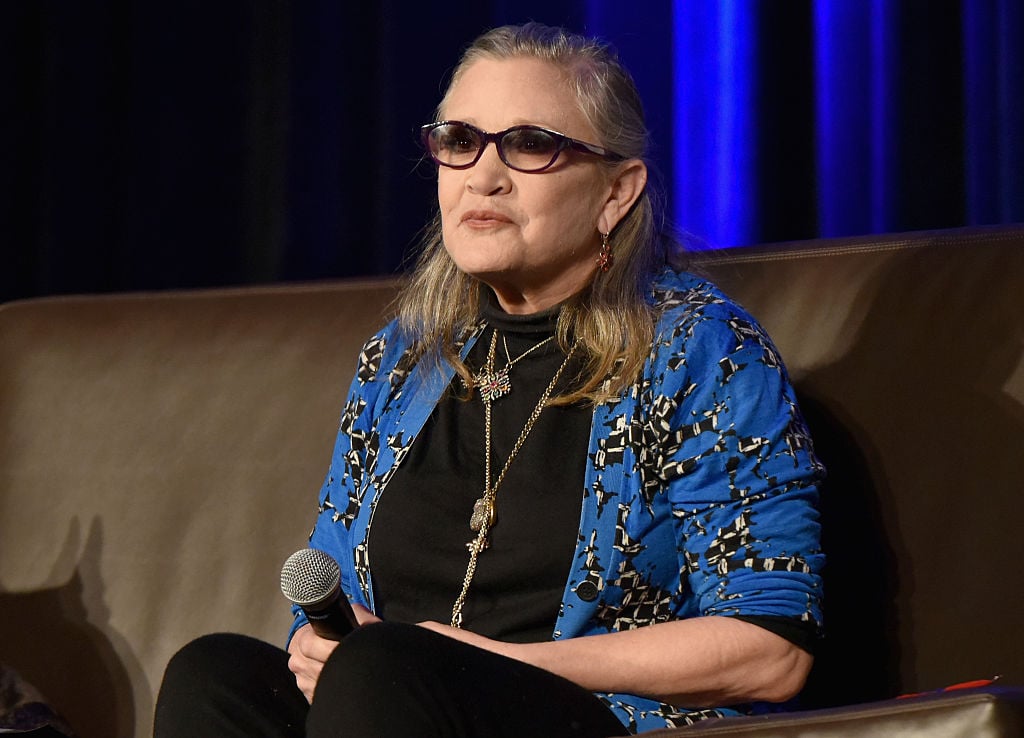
477,263
493,276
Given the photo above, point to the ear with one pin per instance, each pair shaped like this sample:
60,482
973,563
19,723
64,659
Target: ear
627,185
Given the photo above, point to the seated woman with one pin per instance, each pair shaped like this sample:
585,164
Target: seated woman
572,493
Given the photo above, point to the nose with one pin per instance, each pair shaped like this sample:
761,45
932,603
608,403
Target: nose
490,175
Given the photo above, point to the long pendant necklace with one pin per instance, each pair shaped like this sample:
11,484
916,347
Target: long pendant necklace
494,384
484,515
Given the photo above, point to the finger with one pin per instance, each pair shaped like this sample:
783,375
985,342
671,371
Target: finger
306,672
318,649
306,686
303,667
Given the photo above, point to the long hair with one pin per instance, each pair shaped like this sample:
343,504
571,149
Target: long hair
613,318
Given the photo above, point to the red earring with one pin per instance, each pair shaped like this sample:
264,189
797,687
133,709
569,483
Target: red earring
605,258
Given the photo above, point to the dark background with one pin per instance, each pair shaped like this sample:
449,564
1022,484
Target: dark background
162,145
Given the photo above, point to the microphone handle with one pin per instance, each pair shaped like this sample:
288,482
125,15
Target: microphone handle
333,622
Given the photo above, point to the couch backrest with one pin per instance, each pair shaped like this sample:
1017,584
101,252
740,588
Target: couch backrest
160,455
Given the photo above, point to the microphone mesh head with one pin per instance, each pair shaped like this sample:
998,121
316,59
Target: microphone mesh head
309,577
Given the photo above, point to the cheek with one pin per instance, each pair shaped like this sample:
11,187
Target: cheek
449,186
568,214
447,198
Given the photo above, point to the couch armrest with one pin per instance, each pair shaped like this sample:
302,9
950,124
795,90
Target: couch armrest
989,712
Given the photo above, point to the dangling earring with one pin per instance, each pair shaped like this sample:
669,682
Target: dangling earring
605,258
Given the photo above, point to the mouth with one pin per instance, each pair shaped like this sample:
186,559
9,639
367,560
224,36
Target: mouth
483,218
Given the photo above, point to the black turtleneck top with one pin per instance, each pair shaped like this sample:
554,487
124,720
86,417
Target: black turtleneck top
417,547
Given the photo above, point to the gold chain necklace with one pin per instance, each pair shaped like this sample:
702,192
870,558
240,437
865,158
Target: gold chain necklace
484,515
494,384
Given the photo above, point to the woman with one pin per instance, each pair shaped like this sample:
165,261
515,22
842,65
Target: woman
590,491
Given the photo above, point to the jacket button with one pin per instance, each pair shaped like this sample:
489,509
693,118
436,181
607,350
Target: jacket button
586,591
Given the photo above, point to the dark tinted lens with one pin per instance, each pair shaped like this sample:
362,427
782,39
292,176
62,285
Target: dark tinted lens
529,148
453,143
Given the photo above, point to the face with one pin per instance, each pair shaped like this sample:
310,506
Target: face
532,238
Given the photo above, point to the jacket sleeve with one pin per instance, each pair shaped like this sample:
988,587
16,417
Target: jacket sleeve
739,468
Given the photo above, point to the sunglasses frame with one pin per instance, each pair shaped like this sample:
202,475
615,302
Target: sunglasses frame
563,142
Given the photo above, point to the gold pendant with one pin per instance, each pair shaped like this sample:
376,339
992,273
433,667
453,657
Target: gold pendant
493,385
483,511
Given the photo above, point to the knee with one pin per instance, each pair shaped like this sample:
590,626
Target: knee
206,658
228,684
211,663
184,691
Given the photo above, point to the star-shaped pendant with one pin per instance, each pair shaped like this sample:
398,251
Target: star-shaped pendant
493,385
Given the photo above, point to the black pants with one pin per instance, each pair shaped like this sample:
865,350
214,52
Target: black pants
386,680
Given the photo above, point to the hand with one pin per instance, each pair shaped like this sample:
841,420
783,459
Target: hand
309,652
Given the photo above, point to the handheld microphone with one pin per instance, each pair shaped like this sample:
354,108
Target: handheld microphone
311,579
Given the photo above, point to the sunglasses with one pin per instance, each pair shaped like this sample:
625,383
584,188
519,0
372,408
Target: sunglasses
452,143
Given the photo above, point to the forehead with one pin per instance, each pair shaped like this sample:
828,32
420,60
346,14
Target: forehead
494,94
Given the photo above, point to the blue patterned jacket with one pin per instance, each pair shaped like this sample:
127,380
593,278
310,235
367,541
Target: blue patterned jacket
701,483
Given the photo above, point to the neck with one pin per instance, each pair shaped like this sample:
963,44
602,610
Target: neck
518,300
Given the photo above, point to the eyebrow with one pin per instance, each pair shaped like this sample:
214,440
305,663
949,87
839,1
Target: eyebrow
515,122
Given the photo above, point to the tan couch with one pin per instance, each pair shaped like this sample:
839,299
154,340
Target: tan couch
160,455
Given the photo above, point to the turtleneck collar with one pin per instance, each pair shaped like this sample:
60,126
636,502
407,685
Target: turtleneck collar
534,323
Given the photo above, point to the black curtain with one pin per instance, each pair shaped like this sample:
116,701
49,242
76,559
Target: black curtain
164,145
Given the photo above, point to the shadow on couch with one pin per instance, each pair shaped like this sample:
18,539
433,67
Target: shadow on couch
857,660
50,639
